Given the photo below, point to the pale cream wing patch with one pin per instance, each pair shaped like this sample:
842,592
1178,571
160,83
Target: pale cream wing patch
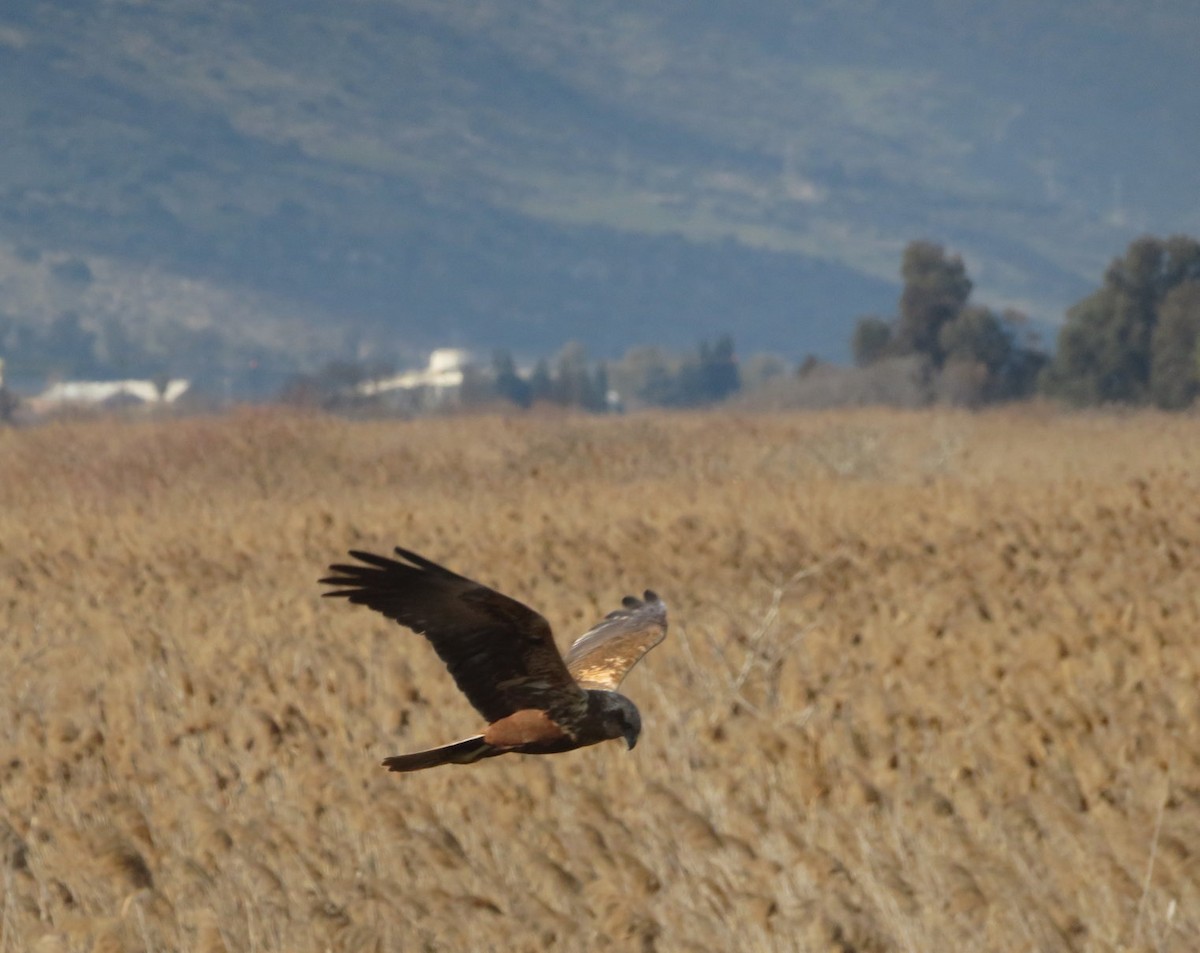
603,656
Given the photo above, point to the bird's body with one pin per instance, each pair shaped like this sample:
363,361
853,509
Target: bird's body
503,658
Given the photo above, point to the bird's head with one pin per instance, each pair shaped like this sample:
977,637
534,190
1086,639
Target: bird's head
622,719
632,730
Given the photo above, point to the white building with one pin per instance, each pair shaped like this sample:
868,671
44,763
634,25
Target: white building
439,382
93,393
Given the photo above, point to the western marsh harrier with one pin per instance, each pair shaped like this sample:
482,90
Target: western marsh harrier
503,658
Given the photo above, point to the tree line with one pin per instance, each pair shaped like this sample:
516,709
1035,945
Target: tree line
962,349
644,376
1135,340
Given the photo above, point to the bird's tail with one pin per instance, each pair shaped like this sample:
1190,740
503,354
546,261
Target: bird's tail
467,751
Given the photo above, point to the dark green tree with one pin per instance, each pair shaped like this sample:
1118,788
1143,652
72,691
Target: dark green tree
977,334
1151,267
1175,348
871,340
1074,374
718,370
508,383
573,382
1104,348
992,357
936,289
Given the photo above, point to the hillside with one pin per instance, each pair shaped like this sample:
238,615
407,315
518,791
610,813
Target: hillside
246,183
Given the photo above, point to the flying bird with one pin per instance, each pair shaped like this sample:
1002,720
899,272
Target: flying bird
502,656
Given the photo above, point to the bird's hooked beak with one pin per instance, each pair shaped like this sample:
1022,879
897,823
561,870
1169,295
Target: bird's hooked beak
631,737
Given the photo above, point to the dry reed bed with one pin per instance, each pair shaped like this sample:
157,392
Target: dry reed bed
933,683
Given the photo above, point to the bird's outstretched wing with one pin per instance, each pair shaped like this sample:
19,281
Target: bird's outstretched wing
603,656
500,652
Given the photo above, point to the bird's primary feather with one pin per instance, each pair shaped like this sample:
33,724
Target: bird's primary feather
500,652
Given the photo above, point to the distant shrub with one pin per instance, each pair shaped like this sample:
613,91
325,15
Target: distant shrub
893,382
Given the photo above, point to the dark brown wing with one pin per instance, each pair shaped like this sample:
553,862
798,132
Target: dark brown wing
501,653
603,656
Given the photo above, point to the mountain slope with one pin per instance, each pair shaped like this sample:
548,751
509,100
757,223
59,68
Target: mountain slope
293,182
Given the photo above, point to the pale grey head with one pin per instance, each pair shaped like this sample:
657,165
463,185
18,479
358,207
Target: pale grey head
619,717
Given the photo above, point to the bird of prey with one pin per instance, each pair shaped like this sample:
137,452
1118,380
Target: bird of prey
502,656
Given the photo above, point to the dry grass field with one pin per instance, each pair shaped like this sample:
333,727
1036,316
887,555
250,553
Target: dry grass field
932,684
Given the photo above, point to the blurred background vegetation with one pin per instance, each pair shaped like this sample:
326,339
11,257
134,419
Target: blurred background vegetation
240,193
